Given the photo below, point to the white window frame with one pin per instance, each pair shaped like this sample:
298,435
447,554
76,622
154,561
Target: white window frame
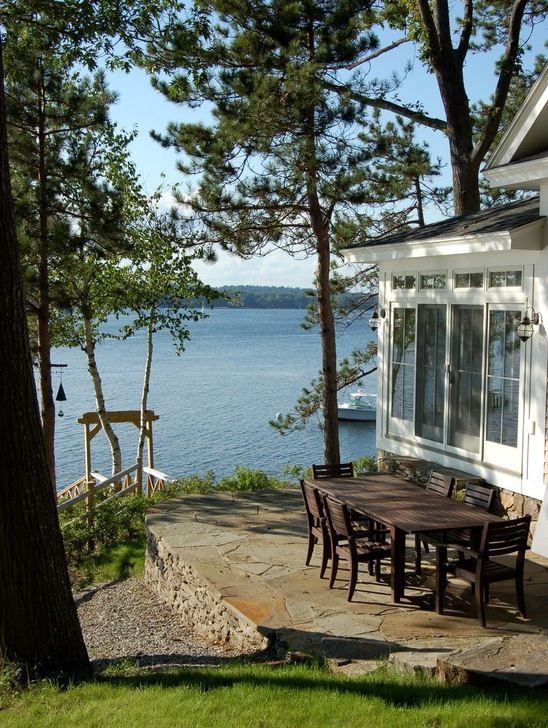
395,425
469,290
495,453
504,269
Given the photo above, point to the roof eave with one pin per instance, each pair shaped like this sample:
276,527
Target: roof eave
526,237
521,175
520,125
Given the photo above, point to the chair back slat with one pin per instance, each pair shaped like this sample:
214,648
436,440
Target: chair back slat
506,537
478,495
334,470
440,484
337,518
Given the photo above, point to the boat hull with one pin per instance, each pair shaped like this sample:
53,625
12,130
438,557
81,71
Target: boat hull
357,414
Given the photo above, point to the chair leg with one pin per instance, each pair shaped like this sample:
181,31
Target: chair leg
353,578
311,542
334,569
520,595
378,570
418,568
480,605
425,547
326,552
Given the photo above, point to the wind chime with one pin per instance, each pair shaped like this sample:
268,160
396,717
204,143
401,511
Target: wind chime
61,396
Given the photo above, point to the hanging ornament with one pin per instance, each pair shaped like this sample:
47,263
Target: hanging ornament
61,396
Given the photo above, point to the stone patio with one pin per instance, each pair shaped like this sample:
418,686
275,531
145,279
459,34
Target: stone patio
233,565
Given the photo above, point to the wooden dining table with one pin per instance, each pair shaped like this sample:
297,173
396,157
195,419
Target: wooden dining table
405,508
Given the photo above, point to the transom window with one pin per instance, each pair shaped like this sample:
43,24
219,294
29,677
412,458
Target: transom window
505,278
404,281
469,280
432,280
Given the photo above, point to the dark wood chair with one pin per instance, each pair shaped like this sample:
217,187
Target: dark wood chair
440,484
317,525
480,496
346,470
478,568
335,470
355,546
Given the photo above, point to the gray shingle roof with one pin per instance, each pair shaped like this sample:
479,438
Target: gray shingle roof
502,218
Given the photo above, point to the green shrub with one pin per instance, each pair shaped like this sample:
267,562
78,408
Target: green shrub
248,479
366,464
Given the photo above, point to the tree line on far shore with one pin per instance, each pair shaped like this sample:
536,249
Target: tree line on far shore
271,297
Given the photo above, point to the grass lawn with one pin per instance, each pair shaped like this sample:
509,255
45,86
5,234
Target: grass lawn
259,696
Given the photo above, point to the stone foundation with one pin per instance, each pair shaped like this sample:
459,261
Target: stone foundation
199,604
507,503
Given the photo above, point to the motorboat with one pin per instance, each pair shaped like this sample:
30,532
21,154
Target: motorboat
362,407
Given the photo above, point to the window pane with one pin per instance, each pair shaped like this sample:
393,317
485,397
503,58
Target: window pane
462,280
468,280
505,278
476,280
513,278
407,282
403,363
497,279
503,378
466,377
432,280
431,347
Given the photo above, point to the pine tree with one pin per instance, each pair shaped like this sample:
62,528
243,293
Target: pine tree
280,160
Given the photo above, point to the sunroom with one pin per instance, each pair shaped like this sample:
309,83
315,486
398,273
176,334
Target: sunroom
462,347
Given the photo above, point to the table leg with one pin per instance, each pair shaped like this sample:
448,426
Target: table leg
398,562
441,578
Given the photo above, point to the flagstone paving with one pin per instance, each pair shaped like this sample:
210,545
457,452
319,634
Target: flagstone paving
243,555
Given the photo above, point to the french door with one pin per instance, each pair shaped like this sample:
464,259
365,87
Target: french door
456,378
466,377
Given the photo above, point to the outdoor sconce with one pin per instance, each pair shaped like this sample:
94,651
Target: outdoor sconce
375,319
524,329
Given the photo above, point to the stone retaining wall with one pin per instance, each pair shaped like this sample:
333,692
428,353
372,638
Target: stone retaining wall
200,605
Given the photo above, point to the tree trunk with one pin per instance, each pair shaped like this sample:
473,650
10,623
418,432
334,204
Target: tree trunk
144,398
466,191
99,397
329,352
38,621
44,338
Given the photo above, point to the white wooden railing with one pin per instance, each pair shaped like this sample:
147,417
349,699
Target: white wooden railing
123,483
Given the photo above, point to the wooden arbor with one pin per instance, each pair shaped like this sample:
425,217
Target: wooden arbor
92,426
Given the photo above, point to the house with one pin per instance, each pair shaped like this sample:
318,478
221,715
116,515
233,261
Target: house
456,384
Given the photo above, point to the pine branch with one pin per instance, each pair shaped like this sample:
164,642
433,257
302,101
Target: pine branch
381,103
370,56
466,32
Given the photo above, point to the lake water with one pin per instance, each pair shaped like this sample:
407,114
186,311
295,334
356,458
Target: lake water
240,368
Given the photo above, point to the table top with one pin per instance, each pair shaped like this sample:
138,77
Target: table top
401,504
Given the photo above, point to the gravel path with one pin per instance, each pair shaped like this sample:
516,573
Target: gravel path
124,620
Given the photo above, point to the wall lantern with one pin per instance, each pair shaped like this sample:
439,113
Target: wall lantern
375,319
525,329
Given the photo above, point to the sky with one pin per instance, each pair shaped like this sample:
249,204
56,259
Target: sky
139,106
